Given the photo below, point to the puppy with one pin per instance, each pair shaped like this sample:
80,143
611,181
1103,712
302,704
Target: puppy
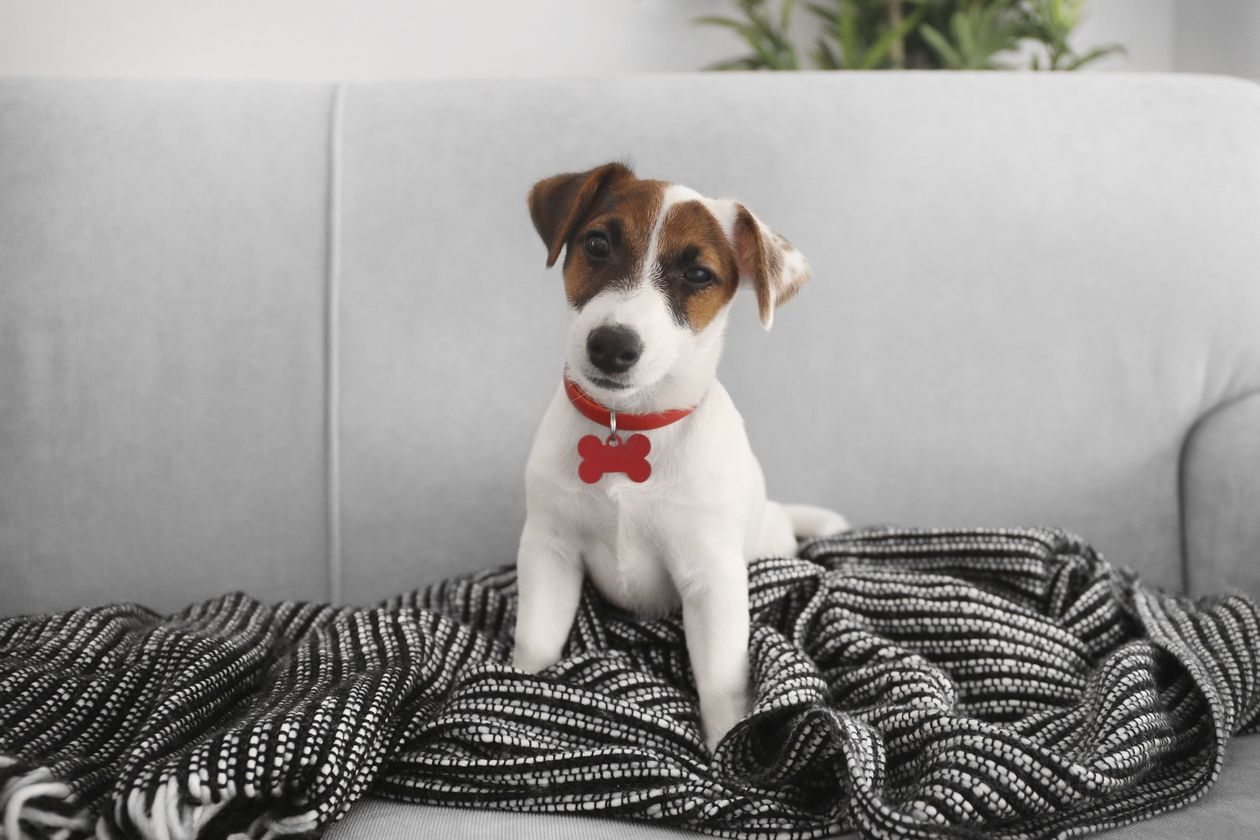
670,515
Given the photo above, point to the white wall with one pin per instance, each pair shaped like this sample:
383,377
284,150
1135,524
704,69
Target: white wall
1145,27
1219,36
355,39
358,39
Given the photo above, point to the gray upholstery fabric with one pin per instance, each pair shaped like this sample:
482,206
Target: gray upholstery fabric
1230,811
1026,290
161,350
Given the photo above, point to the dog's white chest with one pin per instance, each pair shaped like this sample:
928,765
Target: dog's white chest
626,547
641,543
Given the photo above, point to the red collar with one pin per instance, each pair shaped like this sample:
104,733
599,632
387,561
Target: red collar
589,408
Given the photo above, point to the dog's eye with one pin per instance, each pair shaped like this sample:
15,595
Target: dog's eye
698,276
596,244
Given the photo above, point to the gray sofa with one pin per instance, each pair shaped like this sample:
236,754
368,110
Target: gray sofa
294,339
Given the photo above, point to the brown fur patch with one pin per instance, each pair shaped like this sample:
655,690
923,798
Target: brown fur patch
625,213
557,204
692,238
751,254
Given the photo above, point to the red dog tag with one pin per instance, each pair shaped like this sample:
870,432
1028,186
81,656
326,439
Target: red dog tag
614,456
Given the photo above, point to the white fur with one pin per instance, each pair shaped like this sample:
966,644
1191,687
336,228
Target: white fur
681,539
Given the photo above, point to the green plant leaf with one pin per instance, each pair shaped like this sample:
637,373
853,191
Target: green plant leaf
940,44
825,13
746,63
880,50
718,20
826,57
770,46
847,32
1093,55
785,14
875,34
960,26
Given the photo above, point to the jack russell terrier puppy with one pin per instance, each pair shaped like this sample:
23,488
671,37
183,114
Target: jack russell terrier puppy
670,518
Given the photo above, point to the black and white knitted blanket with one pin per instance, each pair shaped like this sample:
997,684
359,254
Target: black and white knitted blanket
907,684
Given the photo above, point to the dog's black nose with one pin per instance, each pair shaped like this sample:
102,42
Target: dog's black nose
613,348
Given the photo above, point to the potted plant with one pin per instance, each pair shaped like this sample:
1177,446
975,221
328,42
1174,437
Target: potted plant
912,34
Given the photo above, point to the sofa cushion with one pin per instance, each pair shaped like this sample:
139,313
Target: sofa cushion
224,370
1229,811
161,351
1027,288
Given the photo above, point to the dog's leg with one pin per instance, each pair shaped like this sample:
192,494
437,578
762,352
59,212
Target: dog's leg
777,537
549,585
715,618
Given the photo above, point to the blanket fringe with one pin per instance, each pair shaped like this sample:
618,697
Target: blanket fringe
32,798
165,818
171,817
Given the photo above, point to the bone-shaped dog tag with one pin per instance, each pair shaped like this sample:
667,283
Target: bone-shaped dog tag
614,456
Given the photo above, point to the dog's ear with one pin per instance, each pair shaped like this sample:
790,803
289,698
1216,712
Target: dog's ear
768,262
558,204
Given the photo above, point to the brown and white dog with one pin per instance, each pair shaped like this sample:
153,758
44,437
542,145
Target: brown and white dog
649,271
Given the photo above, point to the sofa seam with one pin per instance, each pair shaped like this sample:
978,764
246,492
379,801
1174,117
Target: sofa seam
332,346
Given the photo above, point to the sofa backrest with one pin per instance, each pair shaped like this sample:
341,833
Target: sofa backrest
295,339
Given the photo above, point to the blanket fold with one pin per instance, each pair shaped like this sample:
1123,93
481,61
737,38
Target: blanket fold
906,683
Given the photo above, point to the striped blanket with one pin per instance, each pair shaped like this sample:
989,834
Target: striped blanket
993,683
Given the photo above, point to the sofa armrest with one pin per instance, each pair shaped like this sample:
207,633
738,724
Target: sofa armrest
1220,498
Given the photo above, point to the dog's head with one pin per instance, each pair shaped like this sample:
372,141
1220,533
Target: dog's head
649,270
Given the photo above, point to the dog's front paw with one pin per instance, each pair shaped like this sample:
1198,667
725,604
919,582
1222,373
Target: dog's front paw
712,739
531,660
